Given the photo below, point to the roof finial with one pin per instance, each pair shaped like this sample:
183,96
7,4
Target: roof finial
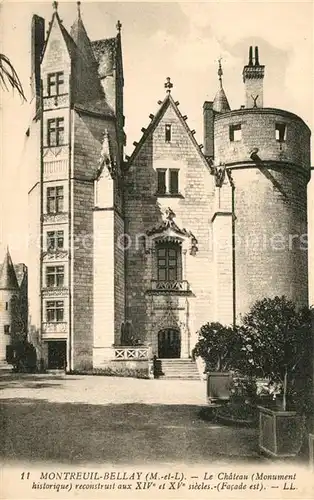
55,6
78,9
118,26
220,72
168,85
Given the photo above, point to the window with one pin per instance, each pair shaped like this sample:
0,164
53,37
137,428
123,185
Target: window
54,199
55,83
55,276
168,133
6,306
167,181
173,181
54,310
55,131
235,133
55,240
6,329
161,181
280,131
168,268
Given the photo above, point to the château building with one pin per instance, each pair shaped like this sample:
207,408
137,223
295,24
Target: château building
147,248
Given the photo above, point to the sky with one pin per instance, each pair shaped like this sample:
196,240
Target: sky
180,40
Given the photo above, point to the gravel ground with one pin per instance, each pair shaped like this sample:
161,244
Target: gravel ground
94,419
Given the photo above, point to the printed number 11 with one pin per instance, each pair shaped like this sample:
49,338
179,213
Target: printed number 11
23,475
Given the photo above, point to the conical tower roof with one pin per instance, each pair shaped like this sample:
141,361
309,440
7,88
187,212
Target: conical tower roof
8,279
220,104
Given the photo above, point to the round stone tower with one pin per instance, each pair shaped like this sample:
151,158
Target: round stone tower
267,154
9,292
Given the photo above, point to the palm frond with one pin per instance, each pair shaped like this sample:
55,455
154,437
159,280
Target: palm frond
9,77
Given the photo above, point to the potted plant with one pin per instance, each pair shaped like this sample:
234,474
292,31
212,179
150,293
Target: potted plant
276,339
219,346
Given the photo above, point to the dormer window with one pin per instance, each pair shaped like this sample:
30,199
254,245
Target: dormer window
235,133
281,132
55,83
168,132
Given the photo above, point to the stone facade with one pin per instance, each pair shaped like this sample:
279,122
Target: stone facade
154,245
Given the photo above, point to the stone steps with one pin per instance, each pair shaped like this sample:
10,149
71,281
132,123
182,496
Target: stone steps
177,369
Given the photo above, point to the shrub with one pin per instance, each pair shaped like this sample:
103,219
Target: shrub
275,338
24,357
220,346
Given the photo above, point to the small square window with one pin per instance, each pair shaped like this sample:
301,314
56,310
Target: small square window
280,131
235,133
168,132
6,329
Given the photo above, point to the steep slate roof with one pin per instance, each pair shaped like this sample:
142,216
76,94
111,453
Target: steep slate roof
8,279
168,101
79,35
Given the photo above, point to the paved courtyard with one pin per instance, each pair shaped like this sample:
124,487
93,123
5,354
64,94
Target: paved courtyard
94,419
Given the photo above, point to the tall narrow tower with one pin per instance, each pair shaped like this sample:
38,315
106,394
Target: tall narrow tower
9,297
73,230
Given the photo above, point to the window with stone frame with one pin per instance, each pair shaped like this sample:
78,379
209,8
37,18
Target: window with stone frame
168,262
54,311
167,181
55,240
54,276
55,132
55,199
161,181
173,181
55,83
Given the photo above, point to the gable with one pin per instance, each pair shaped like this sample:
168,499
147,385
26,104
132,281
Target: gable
56,55
181,135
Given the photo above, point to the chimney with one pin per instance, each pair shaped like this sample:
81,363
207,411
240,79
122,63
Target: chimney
208,120
253,76
38,40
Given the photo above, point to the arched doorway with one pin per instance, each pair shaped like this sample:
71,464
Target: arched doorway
169,343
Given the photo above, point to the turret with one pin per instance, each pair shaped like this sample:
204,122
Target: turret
9,295
220,104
